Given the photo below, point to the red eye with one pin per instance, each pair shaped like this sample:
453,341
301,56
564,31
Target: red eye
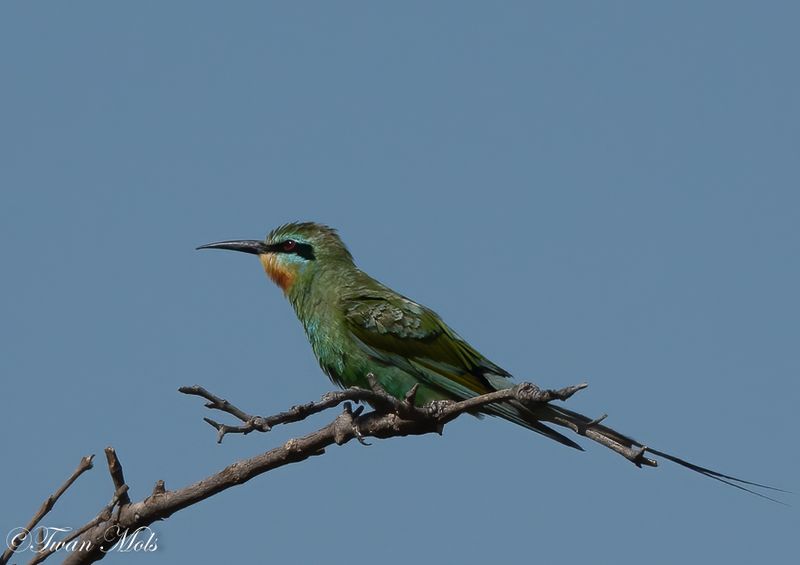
289,245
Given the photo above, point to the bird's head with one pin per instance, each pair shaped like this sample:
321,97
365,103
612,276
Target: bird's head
293,252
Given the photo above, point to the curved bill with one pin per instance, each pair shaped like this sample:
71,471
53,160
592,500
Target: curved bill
244,245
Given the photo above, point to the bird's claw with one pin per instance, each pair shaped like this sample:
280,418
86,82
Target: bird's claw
350,424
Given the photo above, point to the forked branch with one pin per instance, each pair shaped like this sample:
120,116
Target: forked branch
389,417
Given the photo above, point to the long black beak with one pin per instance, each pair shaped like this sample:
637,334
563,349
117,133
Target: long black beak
244,245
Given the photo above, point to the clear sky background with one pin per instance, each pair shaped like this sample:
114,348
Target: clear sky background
605,192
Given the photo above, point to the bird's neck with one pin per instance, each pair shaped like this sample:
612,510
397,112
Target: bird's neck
315,293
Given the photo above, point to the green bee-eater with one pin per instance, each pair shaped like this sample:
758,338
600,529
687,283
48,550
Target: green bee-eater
357,326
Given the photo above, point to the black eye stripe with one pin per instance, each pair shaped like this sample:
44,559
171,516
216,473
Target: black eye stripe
303,250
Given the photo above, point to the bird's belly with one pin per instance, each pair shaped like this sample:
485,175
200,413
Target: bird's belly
348,365
394,380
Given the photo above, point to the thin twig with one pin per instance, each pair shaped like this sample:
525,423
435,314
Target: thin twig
266,423
84,465
103,515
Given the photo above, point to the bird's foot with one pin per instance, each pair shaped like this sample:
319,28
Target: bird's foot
347,424
407,408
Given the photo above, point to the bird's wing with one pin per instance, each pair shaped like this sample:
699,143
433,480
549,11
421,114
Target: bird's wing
400,331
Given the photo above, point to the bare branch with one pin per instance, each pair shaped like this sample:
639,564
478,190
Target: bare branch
390,417
104,515
115,470
294,414
526,393
84,465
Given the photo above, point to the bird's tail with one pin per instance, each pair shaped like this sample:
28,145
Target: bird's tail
635,451
519,414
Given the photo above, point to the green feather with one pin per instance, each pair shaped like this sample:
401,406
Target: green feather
357,326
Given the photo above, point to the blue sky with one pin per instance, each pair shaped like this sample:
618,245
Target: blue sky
585,191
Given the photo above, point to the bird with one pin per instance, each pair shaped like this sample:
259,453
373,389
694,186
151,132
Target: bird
360,328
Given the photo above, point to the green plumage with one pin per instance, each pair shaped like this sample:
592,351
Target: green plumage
359,326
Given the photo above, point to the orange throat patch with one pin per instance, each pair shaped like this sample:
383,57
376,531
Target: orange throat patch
281,275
